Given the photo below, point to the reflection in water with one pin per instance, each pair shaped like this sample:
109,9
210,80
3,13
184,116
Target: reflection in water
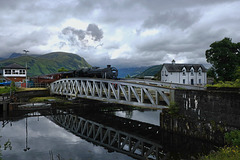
76,133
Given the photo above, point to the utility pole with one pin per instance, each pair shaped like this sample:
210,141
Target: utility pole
26,51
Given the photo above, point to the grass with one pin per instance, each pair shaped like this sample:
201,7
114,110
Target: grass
44,99
6,89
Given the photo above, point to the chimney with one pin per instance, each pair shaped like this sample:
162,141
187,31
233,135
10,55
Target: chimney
108,66
173,62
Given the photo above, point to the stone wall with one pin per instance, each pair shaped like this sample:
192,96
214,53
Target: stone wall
218,106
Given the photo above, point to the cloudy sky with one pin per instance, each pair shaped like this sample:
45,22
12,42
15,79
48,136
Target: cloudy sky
123,33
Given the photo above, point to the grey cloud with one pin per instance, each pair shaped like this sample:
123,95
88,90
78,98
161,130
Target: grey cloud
76,37
174,19
95,32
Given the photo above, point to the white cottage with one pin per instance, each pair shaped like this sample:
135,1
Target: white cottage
194,74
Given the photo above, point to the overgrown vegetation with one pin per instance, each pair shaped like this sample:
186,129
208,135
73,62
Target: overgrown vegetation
233,138
235,84
173,108
230,152
225,153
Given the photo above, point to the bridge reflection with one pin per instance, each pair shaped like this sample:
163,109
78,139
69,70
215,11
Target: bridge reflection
109,137
136,139
133,138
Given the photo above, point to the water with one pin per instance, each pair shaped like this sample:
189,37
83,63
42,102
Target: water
34,136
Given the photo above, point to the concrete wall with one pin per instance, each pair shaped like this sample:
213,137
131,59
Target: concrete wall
204,114
219,106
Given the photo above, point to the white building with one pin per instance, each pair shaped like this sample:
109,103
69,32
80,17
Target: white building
194,74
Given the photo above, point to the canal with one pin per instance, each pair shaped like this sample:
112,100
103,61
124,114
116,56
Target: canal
93,131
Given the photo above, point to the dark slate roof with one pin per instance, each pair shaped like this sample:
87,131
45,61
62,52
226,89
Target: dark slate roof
178,67
14,66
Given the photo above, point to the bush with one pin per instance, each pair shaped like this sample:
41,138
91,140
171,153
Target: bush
233,138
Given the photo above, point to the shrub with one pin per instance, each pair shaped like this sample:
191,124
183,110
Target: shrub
233,138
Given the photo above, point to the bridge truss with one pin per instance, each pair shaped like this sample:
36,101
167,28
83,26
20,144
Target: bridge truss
110,138
113,91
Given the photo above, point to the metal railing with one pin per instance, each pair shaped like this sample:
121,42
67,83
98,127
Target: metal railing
113,91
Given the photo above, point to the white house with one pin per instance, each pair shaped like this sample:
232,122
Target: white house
15,72
194,74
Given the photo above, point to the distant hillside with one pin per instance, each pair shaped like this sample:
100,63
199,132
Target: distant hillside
48,63
123,72
151,71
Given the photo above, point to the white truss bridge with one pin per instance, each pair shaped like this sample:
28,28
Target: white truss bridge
110,138
114,91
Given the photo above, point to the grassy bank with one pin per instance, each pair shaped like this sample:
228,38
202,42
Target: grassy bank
6,89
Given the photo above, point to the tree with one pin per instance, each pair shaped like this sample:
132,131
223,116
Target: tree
62,70
224,55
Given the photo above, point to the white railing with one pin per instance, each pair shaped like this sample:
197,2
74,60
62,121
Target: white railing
113,91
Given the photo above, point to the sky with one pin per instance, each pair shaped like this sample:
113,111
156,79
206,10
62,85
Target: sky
123,33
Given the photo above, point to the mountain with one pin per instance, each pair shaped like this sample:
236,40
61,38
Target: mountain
133,71
151,71
15,55
47,63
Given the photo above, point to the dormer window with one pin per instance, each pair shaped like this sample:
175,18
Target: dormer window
192,71
200,71
184,71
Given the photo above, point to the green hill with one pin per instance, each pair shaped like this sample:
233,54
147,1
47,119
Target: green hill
48,63
151,71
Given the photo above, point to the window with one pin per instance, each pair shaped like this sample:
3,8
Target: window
7,71
200,71
184,81
21,71
14,72
184,71
192,71
200,81
162,73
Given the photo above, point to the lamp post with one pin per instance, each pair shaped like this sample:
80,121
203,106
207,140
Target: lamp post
26,51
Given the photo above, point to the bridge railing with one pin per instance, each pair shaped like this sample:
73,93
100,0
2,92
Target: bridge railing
113,91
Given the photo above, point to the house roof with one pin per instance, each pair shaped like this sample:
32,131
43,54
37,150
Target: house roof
178,67
14,66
